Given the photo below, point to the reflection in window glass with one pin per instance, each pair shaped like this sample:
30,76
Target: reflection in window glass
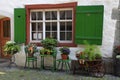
54,15
33,26
47,15
37,31
33,15
6,28
69,14
54,35
62,15
56,24
62,35
69,37
40,27
65,15
47,26
47,35
69,26
62,26
39,16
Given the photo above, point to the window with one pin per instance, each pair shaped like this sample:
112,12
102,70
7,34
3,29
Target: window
56,23
6,28
51,20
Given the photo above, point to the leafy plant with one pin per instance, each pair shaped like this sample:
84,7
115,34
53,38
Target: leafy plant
49,43
91,51
11,47
64,50
45,51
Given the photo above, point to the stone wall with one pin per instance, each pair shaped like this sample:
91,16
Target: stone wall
116,16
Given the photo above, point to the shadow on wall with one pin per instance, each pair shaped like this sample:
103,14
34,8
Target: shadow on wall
116,16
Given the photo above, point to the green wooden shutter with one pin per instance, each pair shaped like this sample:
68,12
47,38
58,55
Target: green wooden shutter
19,25
89,24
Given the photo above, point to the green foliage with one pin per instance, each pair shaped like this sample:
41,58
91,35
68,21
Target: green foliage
91,51
11,47
49,43
46,51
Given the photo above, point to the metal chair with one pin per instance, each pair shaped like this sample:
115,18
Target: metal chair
30,58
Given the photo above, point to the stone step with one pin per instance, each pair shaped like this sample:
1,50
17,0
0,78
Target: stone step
4,62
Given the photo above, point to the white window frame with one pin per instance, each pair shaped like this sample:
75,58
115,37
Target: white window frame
58,23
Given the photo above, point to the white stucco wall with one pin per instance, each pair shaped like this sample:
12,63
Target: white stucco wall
7,9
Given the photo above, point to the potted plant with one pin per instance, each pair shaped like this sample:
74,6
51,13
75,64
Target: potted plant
11,48
31,49
49,44
80,56
45,51
65,51
92,52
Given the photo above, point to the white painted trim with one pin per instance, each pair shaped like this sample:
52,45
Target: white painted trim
57,20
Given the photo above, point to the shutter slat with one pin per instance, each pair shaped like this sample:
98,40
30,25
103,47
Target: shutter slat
89,24
19,25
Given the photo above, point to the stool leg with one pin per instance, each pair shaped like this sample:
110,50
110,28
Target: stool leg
62,65
66,66
25,63
42,62
33,63
54,63
58,65
28,64
69,65
36,63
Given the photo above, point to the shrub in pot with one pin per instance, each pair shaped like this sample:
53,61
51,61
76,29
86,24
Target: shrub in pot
65,51
11,48
48,45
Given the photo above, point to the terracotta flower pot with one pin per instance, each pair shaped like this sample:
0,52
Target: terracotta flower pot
64,56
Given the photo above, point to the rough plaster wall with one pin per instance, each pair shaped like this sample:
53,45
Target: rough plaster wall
108,26
117,34
117,30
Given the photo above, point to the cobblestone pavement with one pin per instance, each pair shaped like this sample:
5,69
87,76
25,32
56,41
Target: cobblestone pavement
19,73
36,74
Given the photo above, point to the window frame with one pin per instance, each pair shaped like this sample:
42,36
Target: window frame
50,7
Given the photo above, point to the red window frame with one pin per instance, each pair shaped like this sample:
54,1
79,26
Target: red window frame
50,6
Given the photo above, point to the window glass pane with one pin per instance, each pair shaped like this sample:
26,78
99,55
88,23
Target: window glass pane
40,27
54,35
34,27
39,16
47,26
33,15
6,28
69,35
69,26
54,26
40,36
62,35
51,25
54,15
47,15
34,36
62,15
62,26
47,35
69,14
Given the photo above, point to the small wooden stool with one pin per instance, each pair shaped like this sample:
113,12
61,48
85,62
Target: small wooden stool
65,63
